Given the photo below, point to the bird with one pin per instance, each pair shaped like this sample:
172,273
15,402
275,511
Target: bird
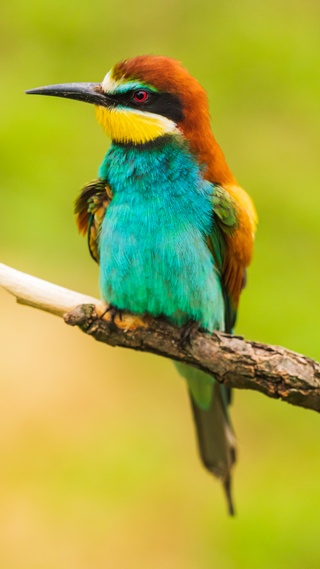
168,223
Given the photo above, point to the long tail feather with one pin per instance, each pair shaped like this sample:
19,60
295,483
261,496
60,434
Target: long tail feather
216,440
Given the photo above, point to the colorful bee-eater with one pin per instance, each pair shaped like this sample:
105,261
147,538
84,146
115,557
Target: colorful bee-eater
166,220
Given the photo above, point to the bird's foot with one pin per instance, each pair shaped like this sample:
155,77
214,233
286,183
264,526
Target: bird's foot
122,320
187,331
113,312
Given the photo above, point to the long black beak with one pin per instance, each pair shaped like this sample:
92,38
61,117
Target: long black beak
87,92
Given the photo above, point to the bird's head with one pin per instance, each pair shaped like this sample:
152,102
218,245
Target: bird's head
140,99
145,98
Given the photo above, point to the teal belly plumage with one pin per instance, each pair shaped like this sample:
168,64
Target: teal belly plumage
154,256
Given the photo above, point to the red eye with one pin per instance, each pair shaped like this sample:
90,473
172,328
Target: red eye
140,96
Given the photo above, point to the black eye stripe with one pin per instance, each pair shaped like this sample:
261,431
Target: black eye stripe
165,104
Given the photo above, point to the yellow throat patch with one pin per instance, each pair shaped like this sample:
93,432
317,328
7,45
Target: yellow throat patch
130,125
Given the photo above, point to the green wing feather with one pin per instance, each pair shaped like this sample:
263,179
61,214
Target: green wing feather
226,222
225,208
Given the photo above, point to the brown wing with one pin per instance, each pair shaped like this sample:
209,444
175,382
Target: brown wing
231,244
90,208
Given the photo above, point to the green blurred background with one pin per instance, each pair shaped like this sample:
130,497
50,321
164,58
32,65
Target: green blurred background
98,457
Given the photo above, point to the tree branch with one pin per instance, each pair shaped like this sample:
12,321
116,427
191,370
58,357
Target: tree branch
274,371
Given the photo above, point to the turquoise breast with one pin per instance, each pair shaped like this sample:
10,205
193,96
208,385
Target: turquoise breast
153,253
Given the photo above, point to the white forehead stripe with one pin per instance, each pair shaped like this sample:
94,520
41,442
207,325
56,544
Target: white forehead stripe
109,85
122,85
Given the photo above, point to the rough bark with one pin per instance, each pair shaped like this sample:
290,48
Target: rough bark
272,370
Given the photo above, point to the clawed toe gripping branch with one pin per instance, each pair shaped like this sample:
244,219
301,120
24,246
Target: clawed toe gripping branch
272,370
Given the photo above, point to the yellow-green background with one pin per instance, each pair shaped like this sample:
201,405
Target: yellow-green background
98,460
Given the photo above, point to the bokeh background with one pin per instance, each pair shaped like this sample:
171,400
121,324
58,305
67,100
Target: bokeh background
98,457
